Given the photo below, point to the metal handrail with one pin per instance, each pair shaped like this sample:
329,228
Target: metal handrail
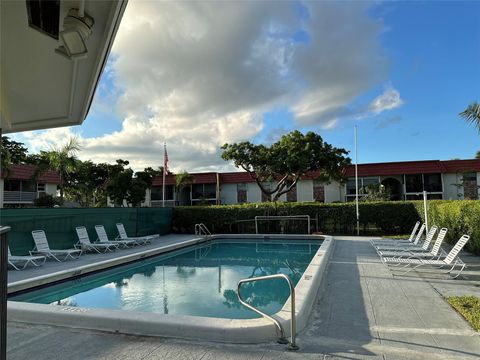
282,340
201,229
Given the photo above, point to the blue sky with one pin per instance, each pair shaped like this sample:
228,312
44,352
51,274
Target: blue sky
208,73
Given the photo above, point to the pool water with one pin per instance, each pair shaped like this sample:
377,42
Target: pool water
199,280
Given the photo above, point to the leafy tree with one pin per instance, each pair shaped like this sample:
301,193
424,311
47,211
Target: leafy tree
148,174
63,161
287,160
472,114
11,152
182,180
136,193
119,181
17,152
477,155
86,184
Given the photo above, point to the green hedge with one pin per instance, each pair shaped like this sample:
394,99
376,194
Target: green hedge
339,218
459,216
376,218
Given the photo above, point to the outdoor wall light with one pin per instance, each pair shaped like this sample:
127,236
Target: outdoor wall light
77,27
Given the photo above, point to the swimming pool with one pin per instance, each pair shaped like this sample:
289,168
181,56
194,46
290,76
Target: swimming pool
200,281
157,296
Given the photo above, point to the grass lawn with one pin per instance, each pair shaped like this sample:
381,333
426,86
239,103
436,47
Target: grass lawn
469,307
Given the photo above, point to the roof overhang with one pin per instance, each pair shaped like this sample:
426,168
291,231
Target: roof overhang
39,88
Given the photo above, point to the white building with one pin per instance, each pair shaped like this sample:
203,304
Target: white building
20,189
449,180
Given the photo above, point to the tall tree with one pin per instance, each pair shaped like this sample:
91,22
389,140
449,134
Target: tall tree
287,160
86,184
11,152
17,152
472,114
63,160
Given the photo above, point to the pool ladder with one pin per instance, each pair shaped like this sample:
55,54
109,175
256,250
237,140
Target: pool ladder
282,339
201,229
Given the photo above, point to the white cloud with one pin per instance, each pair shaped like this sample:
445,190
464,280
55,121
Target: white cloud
388,100
199,74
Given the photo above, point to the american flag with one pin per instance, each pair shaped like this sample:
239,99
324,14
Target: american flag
165,159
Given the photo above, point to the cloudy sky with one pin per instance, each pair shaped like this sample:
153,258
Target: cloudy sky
199,74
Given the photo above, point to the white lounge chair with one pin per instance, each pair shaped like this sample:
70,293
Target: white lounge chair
85,244
410,246
394,241
103,238
42,248
122,235
415,252
451,260
401,244
20,262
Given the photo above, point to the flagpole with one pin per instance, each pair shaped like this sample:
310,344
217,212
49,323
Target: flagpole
356,183
164,171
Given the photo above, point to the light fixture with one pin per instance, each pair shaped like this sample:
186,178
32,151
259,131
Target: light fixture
77,27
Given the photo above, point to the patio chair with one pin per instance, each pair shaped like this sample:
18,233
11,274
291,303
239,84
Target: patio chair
451,260
85,243
103,238
401,243
16,261
141,240
42,248
393,241
422,252
411,246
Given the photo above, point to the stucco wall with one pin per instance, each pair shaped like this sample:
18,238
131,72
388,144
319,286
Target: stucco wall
253,193
228,193
51,189
305,190
334,192
450,191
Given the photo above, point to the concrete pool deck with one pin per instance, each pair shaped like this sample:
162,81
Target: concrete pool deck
362,312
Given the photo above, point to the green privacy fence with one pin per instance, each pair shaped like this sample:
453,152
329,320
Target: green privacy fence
59,224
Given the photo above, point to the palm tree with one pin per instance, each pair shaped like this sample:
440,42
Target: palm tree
472,114
182,180
63,160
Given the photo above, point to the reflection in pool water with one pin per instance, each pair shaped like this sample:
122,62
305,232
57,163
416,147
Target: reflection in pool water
200,280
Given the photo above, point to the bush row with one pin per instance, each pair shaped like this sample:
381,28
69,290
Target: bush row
376,218
459,216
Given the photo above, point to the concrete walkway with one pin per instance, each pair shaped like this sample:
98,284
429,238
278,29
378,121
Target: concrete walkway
362,312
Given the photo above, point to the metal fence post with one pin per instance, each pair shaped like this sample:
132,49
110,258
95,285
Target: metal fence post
3,291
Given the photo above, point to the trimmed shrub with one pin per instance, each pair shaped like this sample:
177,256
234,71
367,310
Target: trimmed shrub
376,218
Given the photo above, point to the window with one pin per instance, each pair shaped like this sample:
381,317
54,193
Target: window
241,193
470,186
29,186
432,182
417,183
157,192
204,191
470,176
318,191
12,185
362,182
413,183
40,187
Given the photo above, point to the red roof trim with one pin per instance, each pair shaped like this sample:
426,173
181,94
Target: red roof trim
26,172
373,169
